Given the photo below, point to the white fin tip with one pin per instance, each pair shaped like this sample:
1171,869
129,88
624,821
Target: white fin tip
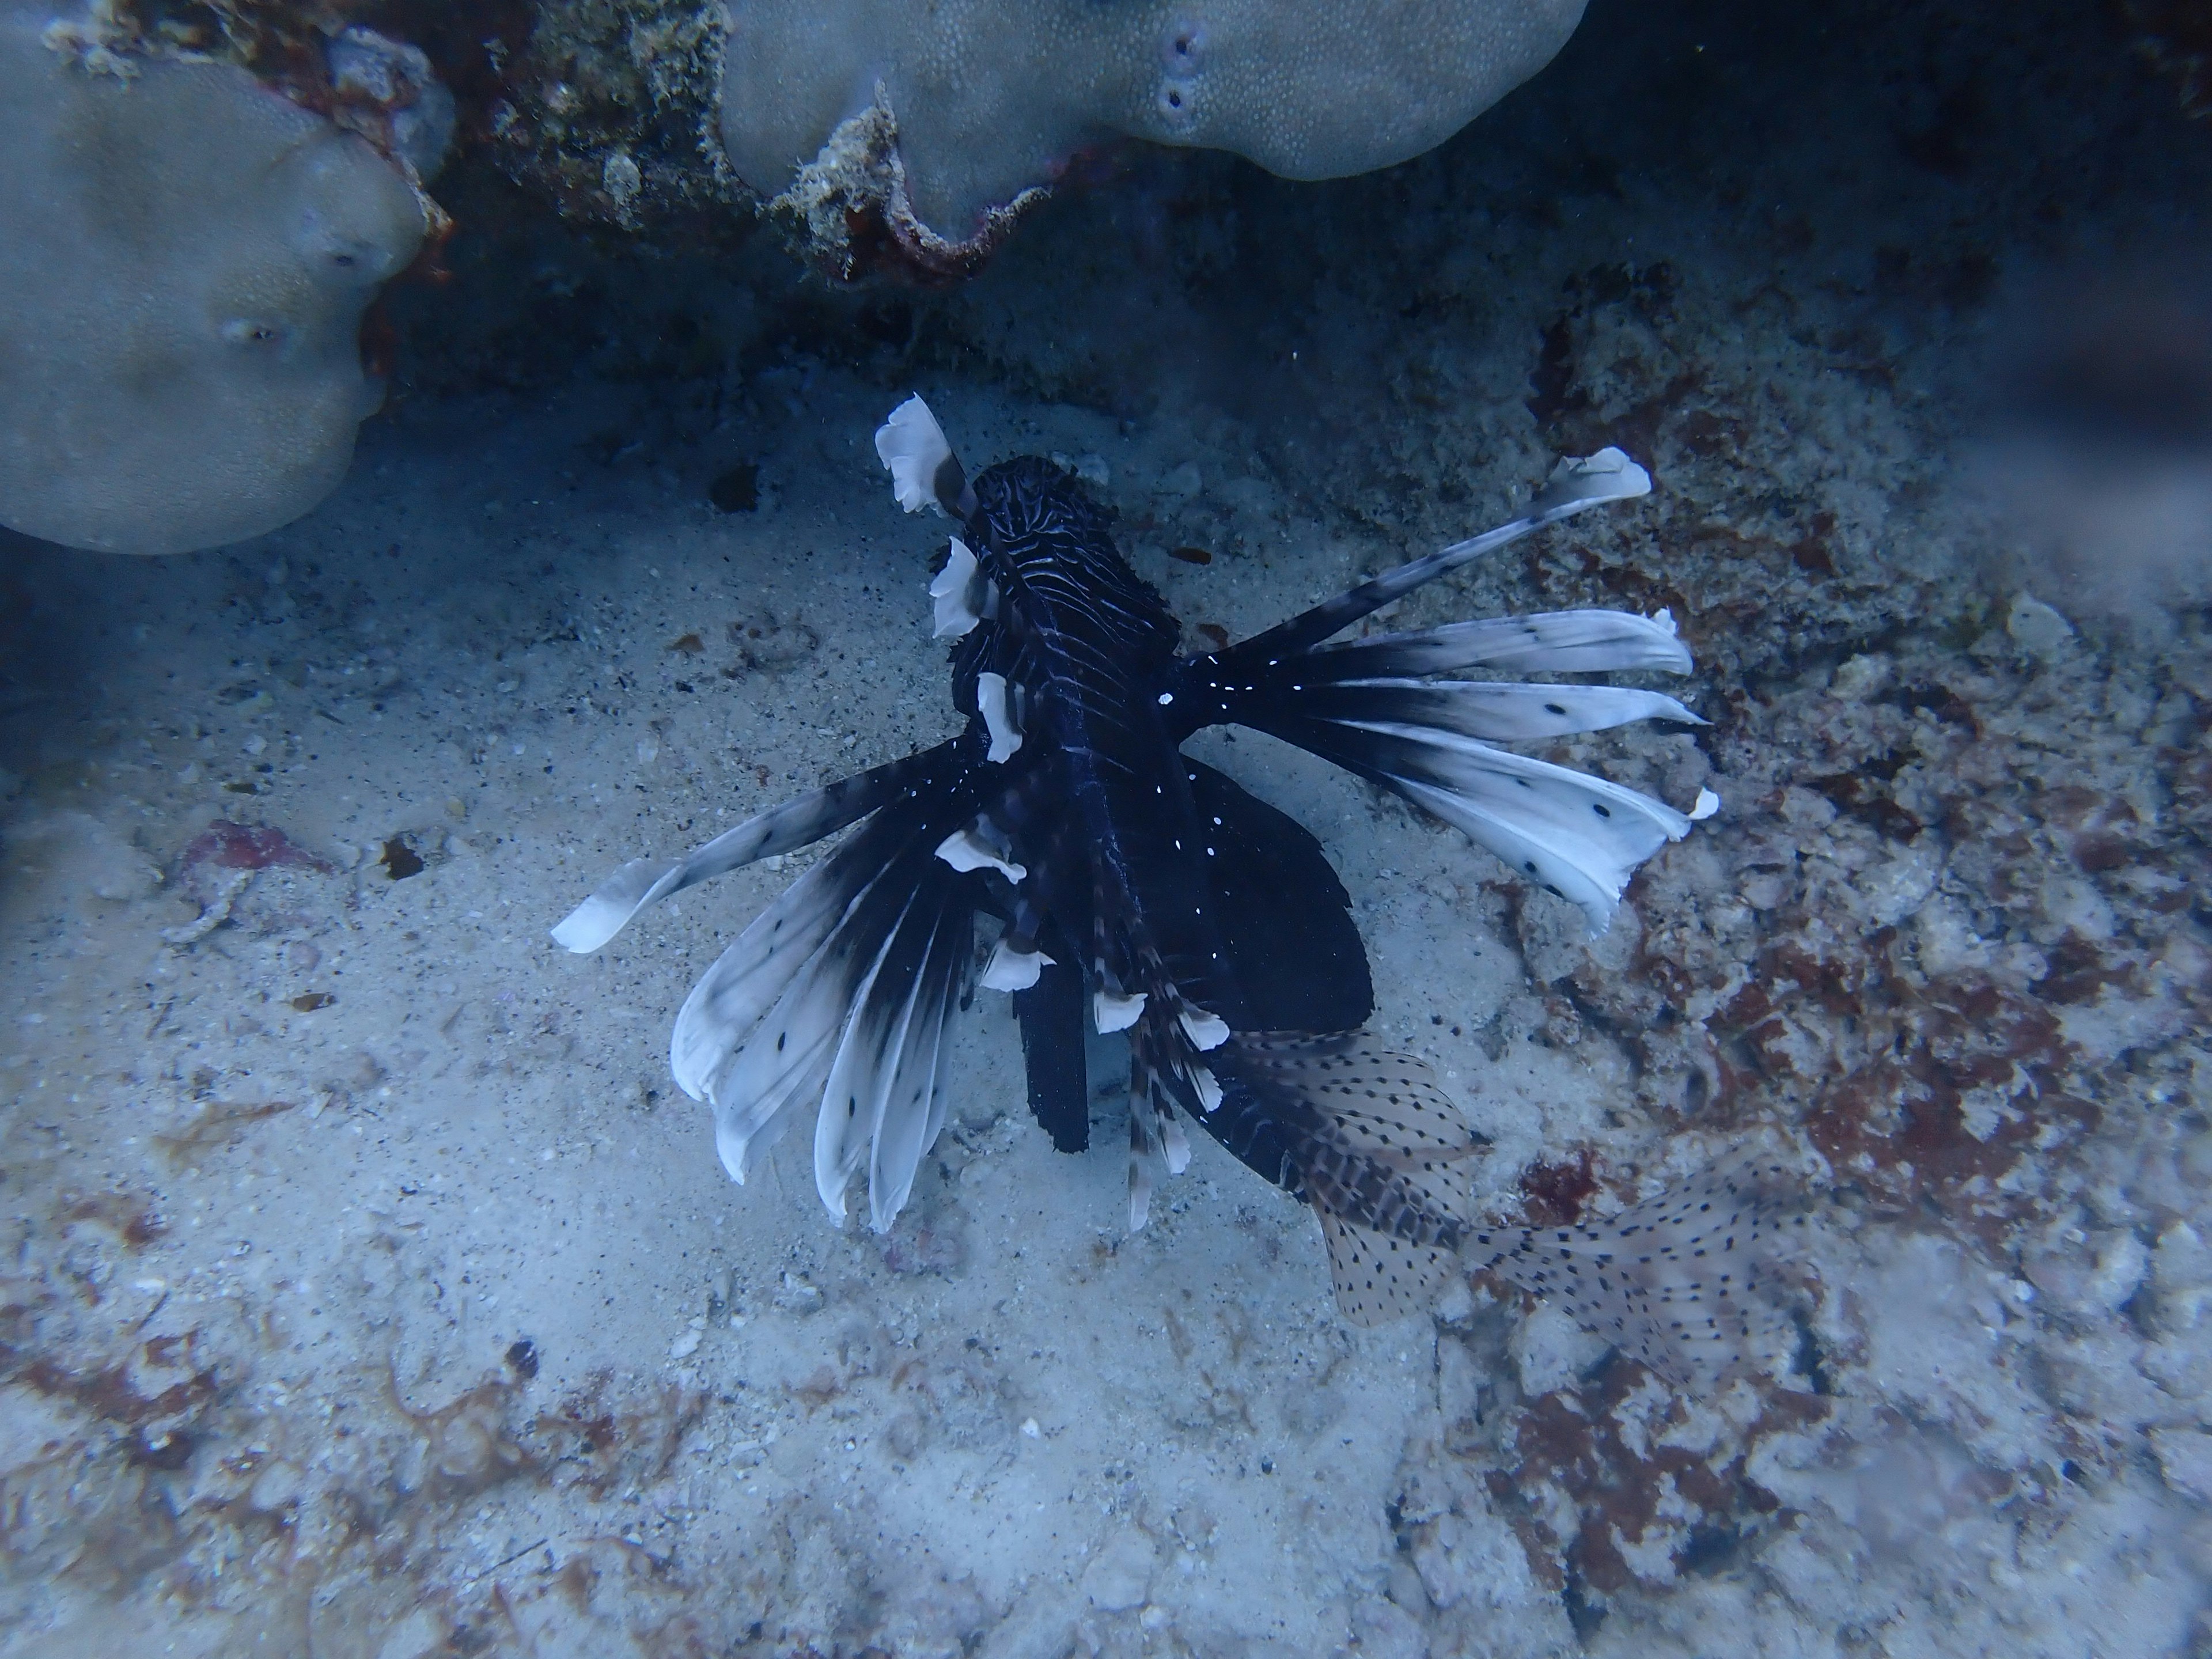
1175,1145
1609,475
913,447
964,852
1012,970
997,716
1208,1031
1208,1087
1113,1014
953,595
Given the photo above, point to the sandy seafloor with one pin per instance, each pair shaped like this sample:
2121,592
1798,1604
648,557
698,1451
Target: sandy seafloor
368,1290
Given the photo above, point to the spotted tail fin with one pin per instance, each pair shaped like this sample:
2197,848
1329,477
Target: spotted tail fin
1681,1281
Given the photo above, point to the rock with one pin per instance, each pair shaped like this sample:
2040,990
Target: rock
796,1295
2185,1458
417,1636
980,101
1184,482
1385,1630
2038,629
1551,1350
275,1487
1896,888
1862,677
1121,1574
1475,1558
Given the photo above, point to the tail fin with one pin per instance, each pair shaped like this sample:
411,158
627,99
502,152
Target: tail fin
1374,1144
1677,1281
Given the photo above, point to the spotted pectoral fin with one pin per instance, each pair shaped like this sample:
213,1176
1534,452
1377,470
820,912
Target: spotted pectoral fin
1547,642
1579,836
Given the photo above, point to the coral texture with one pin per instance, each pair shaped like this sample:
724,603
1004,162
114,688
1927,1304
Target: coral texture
990,100
187,261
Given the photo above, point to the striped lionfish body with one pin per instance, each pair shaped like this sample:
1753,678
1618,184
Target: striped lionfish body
1061,848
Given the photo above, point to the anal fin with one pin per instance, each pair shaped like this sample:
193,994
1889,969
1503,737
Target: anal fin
1380,1278
1380,1153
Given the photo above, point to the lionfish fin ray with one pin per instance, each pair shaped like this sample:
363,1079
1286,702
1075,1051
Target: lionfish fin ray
1575,485
796,824
1490,712
1579,836
906,1111
1546,642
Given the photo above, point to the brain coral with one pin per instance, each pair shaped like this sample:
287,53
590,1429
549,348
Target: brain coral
185,258
989,96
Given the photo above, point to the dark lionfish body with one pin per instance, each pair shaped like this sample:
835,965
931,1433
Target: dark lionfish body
1121,883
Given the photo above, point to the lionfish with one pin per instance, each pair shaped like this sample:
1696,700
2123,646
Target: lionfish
1063,848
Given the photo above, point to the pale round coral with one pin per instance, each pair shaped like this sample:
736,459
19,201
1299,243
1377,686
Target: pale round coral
185,258
991,95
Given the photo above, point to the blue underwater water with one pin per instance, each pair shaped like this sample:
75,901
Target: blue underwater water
375,1281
